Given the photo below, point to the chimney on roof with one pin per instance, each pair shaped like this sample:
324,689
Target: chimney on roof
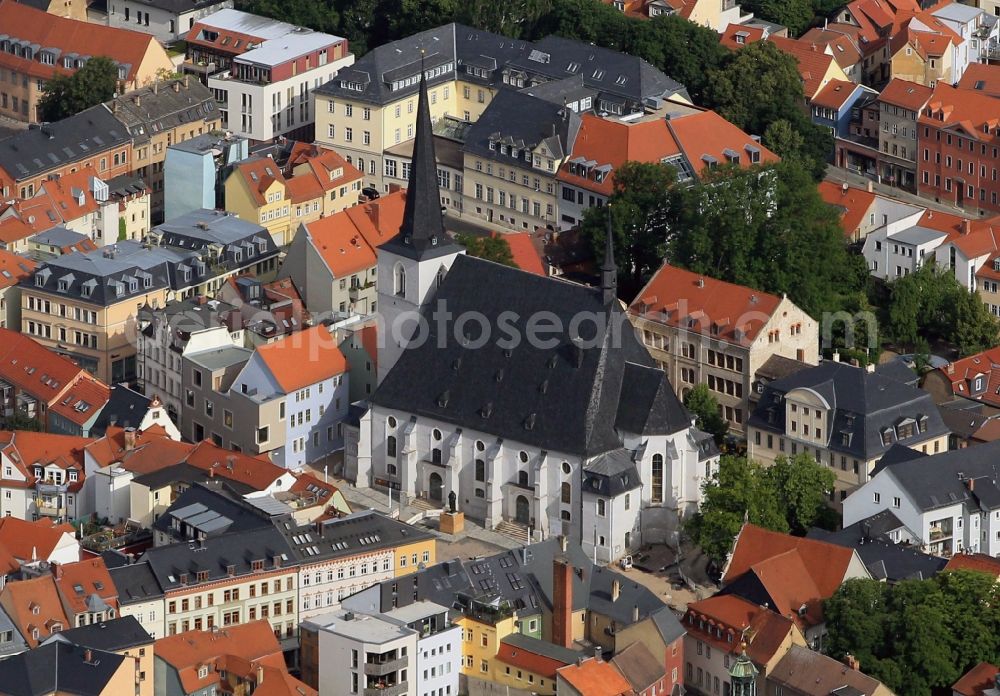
970,483
88,656
562,602
156,87
176,86
966,226
260,674
616,590
870,186
870,367
598,653
635,613
129,439
57,570
114,106
852,662
187,81
836,356
137,99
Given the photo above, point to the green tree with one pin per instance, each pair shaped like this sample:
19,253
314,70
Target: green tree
639,204
769,229
514,18
685,51
856,620
802,486
492,248
705,408
797,15
739,491
65,95
20,421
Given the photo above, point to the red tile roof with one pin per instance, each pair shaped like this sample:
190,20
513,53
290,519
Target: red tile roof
685,296
979,562
526,255
962,374
78,582
34,606
85,390
853,202
517,656
595,677
841,44
257,472
758,549
977,680
303,358
14,268
726,621
749,34
835,94
695,135
309,173
910,95
24,22
237,649
813,62
26,449
981,77
31,367
965,111
29,541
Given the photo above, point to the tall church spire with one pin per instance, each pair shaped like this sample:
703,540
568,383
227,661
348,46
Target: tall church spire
422,232
609,271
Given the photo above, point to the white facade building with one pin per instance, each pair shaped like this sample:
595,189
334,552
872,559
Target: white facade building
167,20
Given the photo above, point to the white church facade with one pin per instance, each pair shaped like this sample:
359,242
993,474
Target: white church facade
573,430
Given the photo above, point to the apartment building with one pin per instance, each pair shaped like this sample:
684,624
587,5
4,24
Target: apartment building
959,148
158,116
673,133
332,261
341,556
286,399
900,103
140,596
944,501
85,305
512,155
704,331
83,669
371,106
13,270
92,139
167,334
845,416
228,580
38,46
415,650
301,184
263,71
167,20
122,636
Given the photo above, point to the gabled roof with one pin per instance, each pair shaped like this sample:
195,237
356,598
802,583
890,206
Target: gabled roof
736,36
972,113
813,62
113,635
835,94
854,204
979,562
639,666
135,583
304,358
841,44
34,607
910,95
812,565
14,268
61,668
525,253
163,106
83,401
725,621
595,677
32,368
535,655
85,586
712,307
981,77
28,541
802,670
66,37
963,376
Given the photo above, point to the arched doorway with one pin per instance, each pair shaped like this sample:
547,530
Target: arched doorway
436,487
521,510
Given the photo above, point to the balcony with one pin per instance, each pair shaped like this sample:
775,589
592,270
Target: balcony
390,690
380,669
937,534
49,487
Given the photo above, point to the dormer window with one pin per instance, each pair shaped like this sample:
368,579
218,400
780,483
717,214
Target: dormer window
39,281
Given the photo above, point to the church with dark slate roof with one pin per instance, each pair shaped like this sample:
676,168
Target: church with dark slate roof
529,398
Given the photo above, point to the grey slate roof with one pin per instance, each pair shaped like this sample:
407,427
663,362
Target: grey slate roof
360,532
149,110
112,635
59,236
611,474
939,480
523,578
58,668
482,57
54,145
865,407
125,408
215,554
885,559
182,472
135,583
566,398
542,647
212,509
16,643
668,625
522,121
